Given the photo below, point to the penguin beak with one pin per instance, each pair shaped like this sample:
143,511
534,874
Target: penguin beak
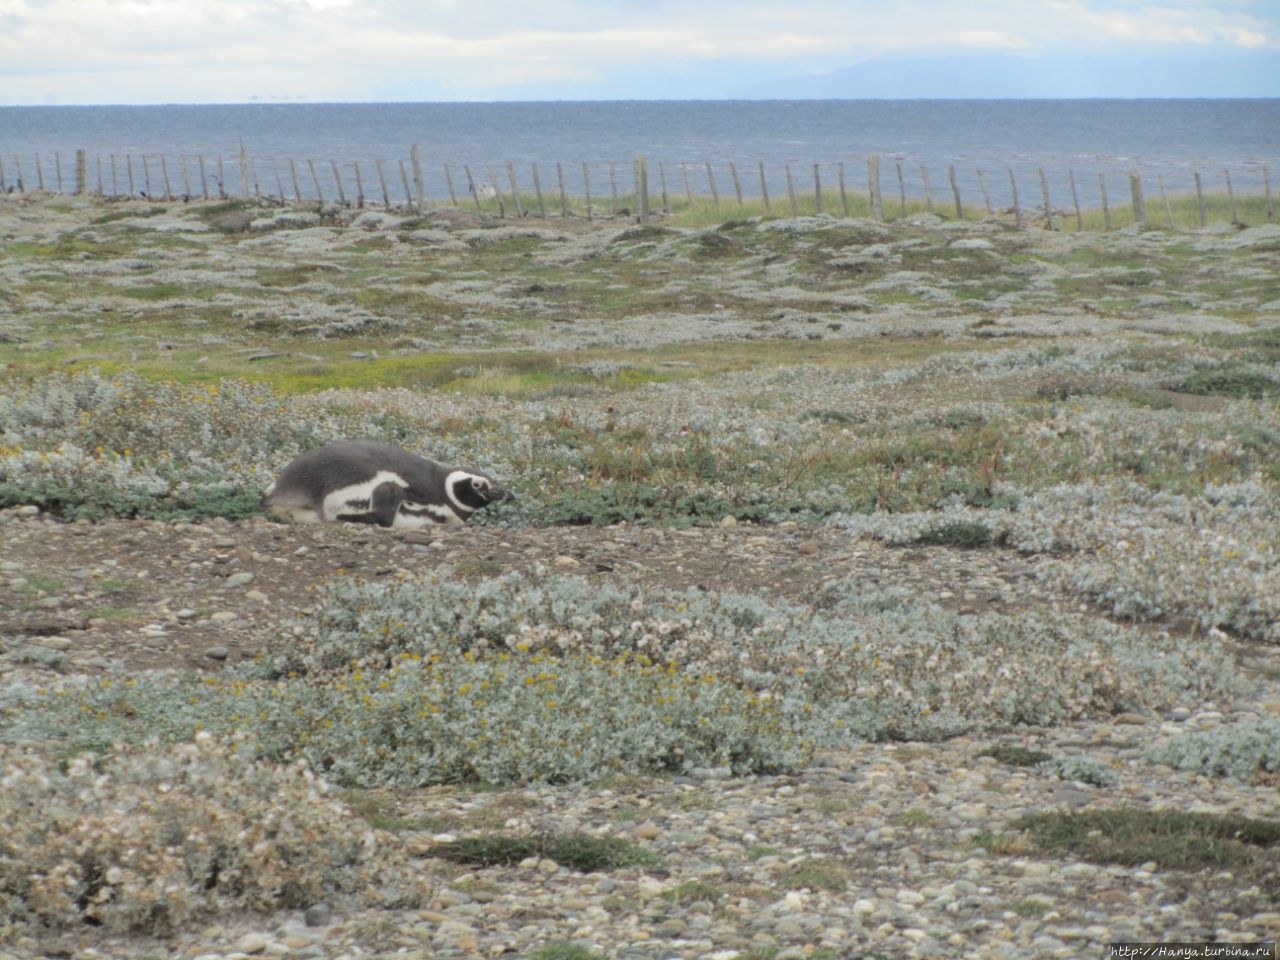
500,493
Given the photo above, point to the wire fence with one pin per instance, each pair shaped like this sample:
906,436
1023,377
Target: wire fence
872,185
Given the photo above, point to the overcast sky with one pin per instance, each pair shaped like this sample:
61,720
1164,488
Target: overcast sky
231,51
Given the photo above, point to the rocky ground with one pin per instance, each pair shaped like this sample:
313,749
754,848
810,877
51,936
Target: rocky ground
136,594
870,852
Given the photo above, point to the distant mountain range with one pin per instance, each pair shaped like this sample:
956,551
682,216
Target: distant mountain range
987,77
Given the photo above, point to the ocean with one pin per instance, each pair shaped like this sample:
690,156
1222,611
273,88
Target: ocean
1164,141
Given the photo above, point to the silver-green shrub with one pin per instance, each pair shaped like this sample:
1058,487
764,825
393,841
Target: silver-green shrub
1083,769
852,665
522,679
1242,750
89,445
153,838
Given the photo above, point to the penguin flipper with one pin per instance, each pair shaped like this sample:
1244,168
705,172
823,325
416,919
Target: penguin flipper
384,503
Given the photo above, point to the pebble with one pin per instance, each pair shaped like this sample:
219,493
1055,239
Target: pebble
832,861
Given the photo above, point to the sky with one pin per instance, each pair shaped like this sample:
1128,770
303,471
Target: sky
237,51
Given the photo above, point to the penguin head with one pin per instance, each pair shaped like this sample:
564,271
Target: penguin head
474,489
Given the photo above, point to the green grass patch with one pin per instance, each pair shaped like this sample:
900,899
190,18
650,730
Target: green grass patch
574,851
1233,381
564,951
1172,839
1015,756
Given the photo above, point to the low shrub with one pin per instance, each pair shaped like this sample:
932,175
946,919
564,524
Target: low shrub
520,679
1243,750
152,838
1084,769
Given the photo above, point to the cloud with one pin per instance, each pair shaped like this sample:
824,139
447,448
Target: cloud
199,50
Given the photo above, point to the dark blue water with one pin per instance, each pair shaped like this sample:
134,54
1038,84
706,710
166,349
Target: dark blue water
1165,140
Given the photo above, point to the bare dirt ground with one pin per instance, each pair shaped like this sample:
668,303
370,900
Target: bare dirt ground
136,594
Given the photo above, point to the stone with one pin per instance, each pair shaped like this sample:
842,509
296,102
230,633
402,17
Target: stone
252,943
239,579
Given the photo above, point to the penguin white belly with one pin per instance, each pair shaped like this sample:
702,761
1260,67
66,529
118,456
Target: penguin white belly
355,500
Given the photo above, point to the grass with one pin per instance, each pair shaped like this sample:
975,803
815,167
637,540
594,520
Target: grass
1104,406
579,852
1015,756
1172,840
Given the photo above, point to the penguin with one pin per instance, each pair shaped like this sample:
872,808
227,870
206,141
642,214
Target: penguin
362,481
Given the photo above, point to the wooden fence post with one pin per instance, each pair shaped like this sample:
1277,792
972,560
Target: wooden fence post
419,184
275,170
613,187
711,181
791,191
586,183
764,187
902,188
293,177
817,190
359,187
128,167
844,196
1106,209
186,178
537,190
337,179
642,189
471,187
955,191
564,200
244,171
497,191
1075,198
315,178
204,179
82,171
1266,189
1231,195
1048,206
688,190
115,185
1017,211
448,182
404,185
873,185
662,177
1135,191
382,181
1168,210
515,190
164,172
986,196
57,169
737,184
97,162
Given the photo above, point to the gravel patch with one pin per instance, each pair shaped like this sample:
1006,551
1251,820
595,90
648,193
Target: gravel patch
877,849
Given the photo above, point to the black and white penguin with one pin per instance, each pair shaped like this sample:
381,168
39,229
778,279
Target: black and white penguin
366,482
